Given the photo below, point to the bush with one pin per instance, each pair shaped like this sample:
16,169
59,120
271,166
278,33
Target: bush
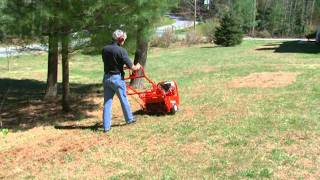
311,35
230,32
208,29
263,34
4,131
193,37
165,40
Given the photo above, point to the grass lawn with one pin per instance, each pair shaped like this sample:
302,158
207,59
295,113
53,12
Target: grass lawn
252,111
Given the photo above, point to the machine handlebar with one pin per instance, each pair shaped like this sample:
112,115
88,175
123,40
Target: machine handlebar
134,74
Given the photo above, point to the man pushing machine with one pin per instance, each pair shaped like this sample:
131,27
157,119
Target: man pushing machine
114,58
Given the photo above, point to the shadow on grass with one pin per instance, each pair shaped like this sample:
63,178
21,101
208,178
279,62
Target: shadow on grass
209,47
293,47
71,127
22,105
96,127
99,126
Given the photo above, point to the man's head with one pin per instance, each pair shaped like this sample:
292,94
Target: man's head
119,37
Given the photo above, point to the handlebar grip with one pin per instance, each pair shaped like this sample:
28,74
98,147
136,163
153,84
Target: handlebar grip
127,68
133,74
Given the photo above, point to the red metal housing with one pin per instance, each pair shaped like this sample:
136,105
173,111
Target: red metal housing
159,98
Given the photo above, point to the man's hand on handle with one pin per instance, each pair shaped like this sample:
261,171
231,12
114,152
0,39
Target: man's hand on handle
136,67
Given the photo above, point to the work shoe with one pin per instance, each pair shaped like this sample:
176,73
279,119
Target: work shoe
132,122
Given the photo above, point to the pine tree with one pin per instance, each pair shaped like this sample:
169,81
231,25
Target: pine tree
35,19
54,21
146,14
244,10
136,17
230,32
2,20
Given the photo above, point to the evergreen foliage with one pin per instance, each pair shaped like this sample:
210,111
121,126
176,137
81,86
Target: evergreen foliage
230,32
130,16
244,11
279,18
2,20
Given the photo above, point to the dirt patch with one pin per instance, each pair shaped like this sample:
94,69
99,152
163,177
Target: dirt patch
264,80
153,143
187,111
116,107
193,149
52,149
200,69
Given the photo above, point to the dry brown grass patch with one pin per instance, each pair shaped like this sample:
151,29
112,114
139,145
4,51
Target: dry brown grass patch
264,80
45,150
116,107
193,149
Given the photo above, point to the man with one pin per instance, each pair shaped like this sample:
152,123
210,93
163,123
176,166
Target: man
114,58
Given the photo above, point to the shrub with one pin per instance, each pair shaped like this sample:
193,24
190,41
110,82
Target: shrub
4,131
311,35
193,37
164,40
263,34
208,29
230,32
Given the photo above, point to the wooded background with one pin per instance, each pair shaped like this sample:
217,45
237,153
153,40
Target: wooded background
274,18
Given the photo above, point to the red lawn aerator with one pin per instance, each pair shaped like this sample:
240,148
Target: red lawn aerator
159,98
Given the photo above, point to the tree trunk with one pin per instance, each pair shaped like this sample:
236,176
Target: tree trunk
140,54
254,18
311,13
65,73
52,76
195,15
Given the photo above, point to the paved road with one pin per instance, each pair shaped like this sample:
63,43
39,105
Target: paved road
181,23
15,51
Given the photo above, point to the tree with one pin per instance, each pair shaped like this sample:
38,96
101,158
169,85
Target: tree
36,20
2,20
230,32
197,10
245,11
136,17
53,53
52,21
286,17
73,15
146,14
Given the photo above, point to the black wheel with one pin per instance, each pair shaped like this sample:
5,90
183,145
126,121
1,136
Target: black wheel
173,109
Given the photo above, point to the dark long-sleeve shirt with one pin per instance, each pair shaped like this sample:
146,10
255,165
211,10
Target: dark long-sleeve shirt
114,58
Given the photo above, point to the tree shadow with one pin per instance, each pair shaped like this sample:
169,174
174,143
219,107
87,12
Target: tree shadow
72,127
307,47
209,47
99,126
22,106
95,127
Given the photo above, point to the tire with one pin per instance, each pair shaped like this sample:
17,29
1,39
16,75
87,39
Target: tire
174,109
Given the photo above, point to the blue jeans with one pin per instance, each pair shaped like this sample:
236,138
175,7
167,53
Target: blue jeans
113,84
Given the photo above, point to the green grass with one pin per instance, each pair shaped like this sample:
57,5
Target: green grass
220,132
